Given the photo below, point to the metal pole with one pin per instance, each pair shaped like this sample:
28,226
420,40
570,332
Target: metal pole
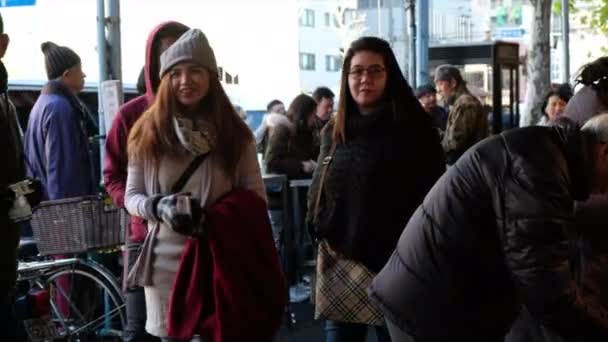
114,40
379,18
566,41
496,98
102,54
422,43
412,64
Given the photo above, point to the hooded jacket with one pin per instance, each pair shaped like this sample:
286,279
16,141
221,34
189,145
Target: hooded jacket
491,236
115,161
57,146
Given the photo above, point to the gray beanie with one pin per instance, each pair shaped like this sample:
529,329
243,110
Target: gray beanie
58,59
193,47
447,72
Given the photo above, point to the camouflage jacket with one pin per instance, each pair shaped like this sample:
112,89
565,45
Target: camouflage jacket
467,124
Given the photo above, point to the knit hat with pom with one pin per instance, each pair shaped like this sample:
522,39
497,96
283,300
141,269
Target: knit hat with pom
58,59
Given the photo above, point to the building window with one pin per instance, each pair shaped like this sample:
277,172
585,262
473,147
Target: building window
307,61
307,18
331,19
333,63
226,77
361,4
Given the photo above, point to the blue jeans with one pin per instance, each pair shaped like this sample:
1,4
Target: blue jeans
276,222
336,331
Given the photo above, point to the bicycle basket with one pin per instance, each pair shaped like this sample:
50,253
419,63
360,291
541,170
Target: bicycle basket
78,224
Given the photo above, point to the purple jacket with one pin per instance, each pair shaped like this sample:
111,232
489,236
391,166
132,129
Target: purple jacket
56,145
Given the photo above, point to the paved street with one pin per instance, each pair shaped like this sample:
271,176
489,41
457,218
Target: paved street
306,328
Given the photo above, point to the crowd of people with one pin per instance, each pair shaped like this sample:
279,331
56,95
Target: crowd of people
425,227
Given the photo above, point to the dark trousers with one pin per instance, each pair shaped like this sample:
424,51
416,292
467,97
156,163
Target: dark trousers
11,327
336,331
135,331
135,300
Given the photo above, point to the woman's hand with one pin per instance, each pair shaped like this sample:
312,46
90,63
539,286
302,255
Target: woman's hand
181,212
309,166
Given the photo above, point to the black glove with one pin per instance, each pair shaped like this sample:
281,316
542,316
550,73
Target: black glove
36,196
181,212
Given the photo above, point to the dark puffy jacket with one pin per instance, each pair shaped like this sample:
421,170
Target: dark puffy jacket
489,237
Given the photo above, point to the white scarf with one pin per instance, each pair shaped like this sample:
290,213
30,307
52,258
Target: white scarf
197,136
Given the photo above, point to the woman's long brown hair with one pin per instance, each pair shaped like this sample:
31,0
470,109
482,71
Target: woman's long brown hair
153,134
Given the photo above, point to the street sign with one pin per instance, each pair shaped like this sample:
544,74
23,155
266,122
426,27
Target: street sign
14,3
508,32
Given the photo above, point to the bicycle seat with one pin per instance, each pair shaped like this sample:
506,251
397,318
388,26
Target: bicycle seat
27,248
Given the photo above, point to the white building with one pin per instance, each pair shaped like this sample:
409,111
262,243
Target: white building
321,37
270,48
387,19
450,21
255,41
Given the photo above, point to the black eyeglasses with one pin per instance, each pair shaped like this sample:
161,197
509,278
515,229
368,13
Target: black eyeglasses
373,71
601,79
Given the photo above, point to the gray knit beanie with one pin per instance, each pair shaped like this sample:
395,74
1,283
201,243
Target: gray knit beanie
193,47
58,59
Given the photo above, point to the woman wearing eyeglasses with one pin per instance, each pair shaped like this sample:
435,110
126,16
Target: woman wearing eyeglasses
379,157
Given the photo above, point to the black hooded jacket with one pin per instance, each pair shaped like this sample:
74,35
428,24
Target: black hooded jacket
490,236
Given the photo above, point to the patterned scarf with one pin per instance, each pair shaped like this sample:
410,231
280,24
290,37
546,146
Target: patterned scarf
197,136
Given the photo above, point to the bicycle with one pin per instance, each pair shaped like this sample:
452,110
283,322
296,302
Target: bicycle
74,299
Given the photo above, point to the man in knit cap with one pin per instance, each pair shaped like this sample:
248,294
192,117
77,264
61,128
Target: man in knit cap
467,122
56,143
427,95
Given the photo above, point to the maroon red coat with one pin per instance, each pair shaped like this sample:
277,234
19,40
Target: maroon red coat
230,286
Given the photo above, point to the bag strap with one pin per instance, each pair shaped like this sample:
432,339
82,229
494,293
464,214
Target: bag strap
194,164
326,161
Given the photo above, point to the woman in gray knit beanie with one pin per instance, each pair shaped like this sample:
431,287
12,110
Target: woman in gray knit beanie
190,120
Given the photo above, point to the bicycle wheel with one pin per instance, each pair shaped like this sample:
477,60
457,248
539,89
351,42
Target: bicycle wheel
86,303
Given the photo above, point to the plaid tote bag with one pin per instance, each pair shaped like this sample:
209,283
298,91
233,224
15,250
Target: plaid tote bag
341,289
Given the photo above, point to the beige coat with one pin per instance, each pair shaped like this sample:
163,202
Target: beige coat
159,260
